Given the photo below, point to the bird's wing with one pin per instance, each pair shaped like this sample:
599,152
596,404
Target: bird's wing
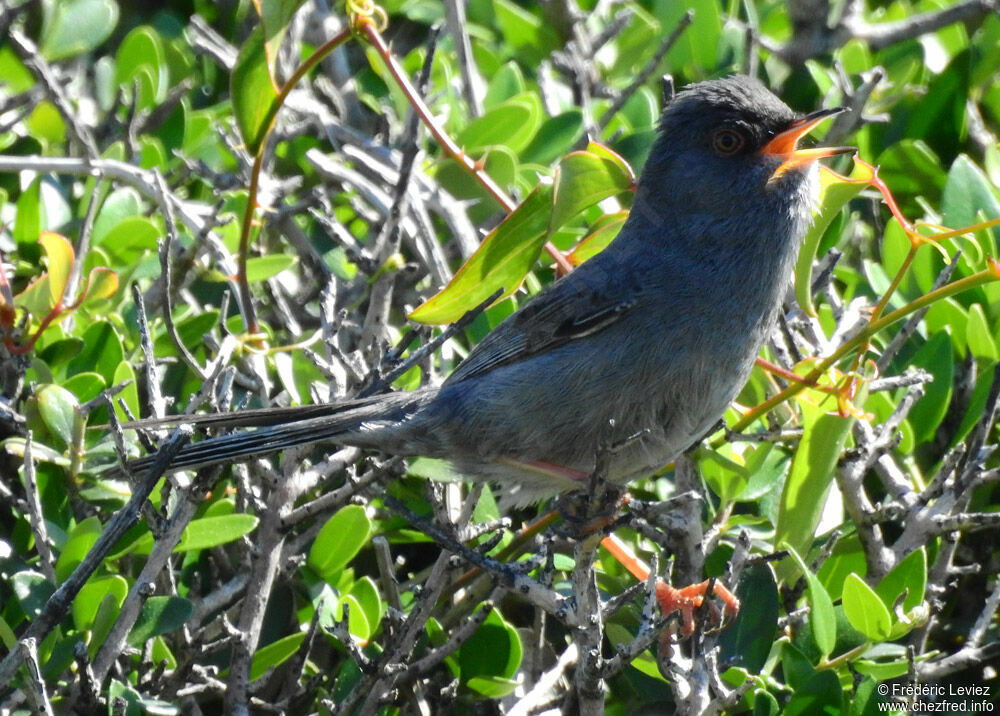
567,310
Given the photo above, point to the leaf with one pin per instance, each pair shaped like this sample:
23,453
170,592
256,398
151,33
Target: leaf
491,656
141,60
203,533
59,410
502,260
865,611
748,641
821,614
131,237
73,27
102,351
32,591
125,373
86,386
582,180
364,594
275,653
937,358
835,191
339,540
555,137
46,293
254,93
910,575
159,615
261,268
274,17
101,283
602,233
511,124
507,82
979,337
81,538
87,602
531,39
813,466
967,192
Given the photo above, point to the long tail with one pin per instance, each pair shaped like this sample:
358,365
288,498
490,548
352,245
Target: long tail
276,429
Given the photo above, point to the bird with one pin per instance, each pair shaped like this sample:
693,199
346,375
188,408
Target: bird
642,347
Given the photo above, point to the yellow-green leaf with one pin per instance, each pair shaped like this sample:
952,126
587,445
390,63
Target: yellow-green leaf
502,260
835,191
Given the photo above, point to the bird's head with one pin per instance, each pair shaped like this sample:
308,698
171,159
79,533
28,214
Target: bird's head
728,144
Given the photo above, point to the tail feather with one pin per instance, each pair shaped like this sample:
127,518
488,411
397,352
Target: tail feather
279,429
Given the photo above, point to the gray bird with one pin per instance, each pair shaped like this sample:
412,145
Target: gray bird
644,346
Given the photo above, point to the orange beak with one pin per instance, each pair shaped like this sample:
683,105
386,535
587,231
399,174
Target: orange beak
782,145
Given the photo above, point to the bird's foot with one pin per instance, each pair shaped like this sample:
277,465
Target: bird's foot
690,600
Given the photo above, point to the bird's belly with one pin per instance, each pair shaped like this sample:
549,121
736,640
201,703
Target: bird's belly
511,431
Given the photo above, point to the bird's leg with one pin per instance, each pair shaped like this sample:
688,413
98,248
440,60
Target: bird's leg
688,599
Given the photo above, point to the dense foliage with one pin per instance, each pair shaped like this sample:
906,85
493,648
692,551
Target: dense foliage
158,159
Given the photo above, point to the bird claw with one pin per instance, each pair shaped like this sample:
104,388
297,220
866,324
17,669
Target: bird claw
689,600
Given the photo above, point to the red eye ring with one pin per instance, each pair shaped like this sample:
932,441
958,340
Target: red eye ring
727,142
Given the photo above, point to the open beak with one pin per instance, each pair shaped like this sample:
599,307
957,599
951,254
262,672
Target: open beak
782,145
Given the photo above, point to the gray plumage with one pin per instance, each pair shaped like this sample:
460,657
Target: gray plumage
653,337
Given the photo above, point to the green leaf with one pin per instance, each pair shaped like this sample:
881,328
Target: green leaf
204,533
261,268
748,641
254,93
59,410
966,193
119,206
274,18
46,293
491,656
866,700
141,59
31,219
555,137
821,614
72,27
506,83
582,180
865,611
105,617
78,543
102,351
365,595
602,233
357,620
530,38
834,193
130,238
32,591
159,615
125,373
979,336
848,556
937,358
275,653
511,124
910,575
86,386
339,540
813,466
502,260
87,602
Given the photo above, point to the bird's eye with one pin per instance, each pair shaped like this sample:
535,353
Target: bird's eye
726,142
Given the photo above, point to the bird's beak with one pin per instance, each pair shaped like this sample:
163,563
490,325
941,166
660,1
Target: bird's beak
782,145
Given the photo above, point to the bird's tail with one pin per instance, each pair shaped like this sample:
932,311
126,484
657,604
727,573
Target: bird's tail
269,430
